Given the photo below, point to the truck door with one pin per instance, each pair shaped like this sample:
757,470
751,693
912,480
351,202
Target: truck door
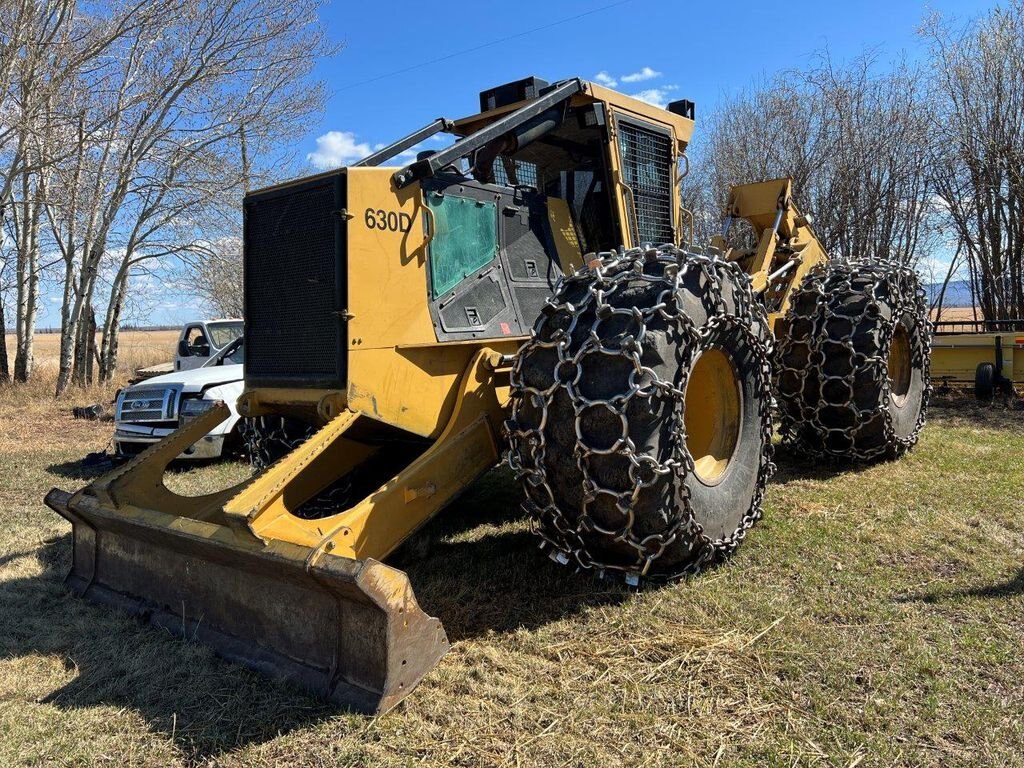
193,348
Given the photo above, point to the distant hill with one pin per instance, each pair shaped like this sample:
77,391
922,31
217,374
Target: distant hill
958,293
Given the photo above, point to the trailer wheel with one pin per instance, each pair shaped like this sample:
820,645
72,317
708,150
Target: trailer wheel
852,373
985,381
640,421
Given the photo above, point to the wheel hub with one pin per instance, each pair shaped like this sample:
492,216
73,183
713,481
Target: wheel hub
899,366
713,411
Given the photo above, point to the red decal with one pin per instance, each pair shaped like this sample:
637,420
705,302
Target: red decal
505,329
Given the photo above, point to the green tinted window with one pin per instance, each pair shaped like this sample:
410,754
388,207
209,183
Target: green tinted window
465,239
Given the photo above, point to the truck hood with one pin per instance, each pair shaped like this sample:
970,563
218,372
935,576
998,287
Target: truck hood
196,379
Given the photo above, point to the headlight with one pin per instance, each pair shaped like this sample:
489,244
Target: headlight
191,407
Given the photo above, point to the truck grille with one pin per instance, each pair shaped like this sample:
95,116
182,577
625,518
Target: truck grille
295,285
148,404
647,171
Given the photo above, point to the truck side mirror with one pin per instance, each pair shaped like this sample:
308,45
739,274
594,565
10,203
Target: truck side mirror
183,349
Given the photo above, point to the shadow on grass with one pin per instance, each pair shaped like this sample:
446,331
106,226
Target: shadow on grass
1010,588
78,470
791,466
73,470
476,567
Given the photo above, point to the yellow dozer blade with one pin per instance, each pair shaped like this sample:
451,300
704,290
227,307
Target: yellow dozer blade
347,630
289,597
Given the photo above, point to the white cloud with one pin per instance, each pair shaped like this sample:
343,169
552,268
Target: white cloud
646,73
657,96
605,79
337,148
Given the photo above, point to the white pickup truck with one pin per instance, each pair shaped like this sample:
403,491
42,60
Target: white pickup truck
152,409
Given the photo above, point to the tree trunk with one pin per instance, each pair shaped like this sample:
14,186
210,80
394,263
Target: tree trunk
5,371
90,347
83,345
28,288
111,326
70,313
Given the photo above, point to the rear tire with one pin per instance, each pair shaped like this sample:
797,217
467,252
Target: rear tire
852,375
640,421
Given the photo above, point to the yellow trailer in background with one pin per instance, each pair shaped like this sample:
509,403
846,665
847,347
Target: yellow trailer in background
986,353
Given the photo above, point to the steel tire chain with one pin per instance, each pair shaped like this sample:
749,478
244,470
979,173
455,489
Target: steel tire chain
268,441
609,272
828,284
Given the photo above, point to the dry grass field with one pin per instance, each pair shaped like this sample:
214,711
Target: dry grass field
874,617
137,349
952,314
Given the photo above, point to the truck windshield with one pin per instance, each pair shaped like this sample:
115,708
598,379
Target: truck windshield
224,333
236,356
232,354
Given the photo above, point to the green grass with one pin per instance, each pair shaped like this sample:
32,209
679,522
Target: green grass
874,617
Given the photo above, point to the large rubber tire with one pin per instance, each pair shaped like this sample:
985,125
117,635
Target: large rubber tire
619,474
852,375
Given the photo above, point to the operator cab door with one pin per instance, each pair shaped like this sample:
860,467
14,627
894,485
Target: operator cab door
643,162
492,261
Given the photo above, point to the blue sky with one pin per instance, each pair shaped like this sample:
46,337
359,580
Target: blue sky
699,51
383,84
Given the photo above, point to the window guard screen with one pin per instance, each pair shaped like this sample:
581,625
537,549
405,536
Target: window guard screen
525,171
646,159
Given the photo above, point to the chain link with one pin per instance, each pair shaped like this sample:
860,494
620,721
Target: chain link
270,438
839,312
564,348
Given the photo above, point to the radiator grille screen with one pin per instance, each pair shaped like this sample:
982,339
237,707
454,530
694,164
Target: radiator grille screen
294,271
647,171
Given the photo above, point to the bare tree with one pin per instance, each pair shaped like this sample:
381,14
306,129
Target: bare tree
157,142
34,34
977,151
215,276
853,140
45,46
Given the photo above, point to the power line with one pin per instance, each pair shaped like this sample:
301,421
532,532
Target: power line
484,45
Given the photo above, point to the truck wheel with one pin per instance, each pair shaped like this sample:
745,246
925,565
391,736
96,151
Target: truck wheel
985,381
640,421
852,376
